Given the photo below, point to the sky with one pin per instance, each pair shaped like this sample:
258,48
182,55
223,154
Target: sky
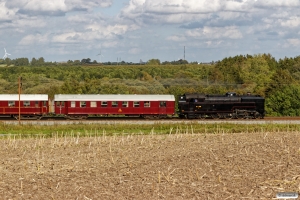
134,30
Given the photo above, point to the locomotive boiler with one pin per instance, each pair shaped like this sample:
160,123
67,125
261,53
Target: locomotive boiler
229,105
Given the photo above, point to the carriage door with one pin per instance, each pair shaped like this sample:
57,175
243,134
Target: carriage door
44,107
162,107
60,107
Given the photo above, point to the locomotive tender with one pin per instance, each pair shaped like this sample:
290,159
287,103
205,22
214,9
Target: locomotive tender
81,106
229,105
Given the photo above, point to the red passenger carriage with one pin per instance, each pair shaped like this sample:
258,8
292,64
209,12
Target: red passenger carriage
81,106
32,106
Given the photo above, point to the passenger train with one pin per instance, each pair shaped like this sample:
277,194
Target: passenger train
82,106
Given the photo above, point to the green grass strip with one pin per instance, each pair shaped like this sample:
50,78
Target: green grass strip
144,129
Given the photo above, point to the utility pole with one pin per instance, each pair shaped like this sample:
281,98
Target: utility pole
20,87
184,53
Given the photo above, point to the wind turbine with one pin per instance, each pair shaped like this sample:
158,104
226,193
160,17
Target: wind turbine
99,54
6,54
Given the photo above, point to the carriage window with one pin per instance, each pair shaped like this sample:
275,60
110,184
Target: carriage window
162,104
11,104
136,104
82,104
26,103
93,104
147,104
114,104
125,104
73,105
44,103
104,104
58,104
36,104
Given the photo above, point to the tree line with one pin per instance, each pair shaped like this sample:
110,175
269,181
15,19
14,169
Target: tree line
276,80
85,61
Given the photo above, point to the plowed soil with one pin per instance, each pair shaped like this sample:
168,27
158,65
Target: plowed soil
191,166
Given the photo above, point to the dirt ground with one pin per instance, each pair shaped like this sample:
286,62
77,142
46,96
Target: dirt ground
198,166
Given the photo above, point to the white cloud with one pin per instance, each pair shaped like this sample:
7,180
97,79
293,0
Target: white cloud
214,43
34,39
70,37
291,22
278,3
54,7
117,29
134,51
182,11
6,14
295,42
177,38
215,33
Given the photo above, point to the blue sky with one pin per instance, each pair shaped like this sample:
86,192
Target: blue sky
130,30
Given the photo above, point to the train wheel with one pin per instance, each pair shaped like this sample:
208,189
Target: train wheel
199,116
261,116
214,116
191,116
222,116
246,115
256,115
234,116
181,116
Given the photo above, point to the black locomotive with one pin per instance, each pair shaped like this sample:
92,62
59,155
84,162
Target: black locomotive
230,105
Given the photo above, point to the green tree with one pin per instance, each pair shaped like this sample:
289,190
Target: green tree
284,102
279,80
153,62
21,62
33,62
41,61
255,73
8,61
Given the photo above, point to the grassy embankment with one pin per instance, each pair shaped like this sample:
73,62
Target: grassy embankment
82,130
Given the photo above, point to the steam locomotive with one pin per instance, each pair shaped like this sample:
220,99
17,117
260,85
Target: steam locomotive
230,105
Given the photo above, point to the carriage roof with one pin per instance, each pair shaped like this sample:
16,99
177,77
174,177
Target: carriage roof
113,97
24,97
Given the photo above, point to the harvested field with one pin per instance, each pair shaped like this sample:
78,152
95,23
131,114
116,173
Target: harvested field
179,166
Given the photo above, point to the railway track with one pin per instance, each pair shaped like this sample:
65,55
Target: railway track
139,121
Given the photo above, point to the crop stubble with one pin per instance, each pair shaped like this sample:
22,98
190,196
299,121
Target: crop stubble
179,166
